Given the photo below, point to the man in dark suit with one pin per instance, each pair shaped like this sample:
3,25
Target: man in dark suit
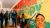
1,19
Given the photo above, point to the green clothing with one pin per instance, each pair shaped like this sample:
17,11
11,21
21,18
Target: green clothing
47,24
33,24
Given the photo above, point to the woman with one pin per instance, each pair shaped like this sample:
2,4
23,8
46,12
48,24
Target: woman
40,21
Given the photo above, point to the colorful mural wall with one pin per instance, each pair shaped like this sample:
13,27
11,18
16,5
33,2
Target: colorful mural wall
32,7
28,7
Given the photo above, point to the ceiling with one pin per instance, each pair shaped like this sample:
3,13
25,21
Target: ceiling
8,3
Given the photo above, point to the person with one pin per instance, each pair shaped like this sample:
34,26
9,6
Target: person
1,19
20,20
23,21
9,18
40,21
6,18
14,14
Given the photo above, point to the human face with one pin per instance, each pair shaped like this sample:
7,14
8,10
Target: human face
20,15
40,21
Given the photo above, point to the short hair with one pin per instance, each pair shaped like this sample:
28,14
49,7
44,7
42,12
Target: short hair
40,14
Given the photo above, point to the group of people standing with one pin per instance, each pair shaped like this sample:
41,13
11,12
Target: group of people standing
7,15
16,19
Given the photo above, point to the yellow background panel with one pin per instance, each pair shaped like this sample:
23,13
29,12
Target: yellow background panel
45,10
